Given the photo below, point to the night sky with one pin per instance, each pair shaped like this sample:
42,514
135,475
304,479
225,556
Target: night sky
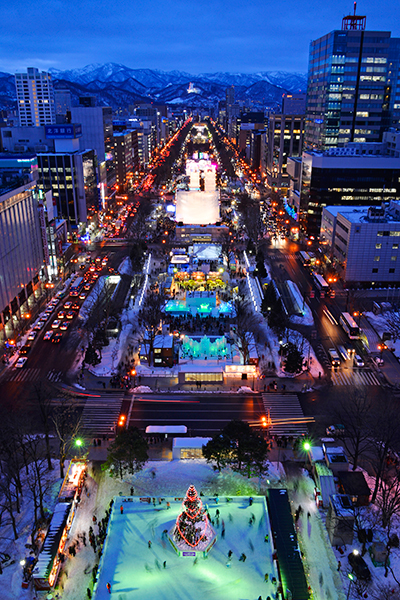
187,35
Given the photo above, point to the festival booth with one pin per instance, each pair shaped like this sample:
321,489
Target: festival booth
73,481
49,561
48,565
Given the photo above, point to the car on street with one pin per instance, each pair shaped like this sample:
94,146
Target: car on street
70,314
21,362
82,296
39,325
335,429
55,324
359,566
31,336
378,361
358,361
25,350
61,314
48,335
75,306
64,326
87,287
67,305
56,339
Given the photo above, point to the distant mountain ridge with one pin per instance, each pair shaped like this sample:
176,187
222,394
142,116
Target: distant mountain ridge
119,86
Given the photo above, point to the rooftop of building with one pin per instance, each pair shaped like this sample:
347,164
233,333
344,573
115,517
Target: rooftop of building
14,183
386,213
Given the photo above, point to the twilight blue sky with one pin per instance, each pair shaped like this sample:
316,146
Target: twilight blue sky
202,36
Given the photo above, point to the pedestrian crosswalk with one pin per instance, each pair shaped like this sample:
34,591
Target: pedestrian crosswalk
287,417
30,374
101,413
357,378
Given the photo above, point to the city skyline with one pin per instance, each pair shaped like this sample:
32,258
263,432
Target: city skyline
251,39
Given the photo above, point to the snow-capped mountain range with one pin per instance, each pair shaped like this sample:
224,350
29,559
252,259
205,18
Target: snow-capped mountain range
119,86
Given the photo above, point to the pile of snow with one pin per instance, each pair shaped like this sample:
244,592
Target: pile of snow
306,318
125,268
142,389
245,390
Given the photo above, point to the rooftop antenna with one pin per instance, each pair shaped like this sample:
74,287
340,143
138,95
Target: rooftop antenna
354,22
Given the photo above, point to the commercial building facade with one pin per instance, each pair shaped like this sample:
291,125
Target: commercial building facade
343,177
21,238
72,178
285,139
364,242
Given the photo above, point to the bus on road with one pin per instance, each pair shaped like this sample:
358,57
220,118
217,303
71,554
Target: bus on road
321,285
76,286
305,259
350,326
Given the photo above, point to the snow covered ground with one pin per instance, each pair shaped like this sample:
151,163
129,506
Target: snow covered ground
379,324
127,554
136,571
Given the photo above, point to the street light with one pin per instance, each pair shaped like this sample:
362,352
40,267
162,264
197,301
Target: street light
78,443
351,578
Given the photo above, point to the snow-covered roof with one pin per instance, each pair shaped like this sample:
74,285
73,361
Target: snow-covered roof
166,429
50,546
163,341
316,453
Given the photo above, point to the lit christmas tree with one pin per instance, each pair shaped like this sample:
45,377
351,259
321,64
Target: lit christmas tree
192,525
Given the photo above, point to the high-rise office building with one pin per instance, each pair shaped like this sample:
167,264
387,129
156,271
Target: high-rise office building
97,133
21,238
35,97
350,84
285,138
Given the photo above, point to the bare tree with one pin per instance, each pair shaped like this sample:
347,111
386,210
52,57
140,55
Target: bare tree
244,323
354,413
36,472
41,396
251,218
150,318
385,430
8,498
388,503
393,325
67,422
226,240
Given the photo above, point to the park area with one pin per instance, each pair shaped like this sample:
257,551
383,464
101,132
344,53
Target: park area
140,562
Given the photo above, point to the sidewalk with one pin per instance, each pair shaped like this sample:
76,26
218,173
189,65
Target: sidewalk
170,384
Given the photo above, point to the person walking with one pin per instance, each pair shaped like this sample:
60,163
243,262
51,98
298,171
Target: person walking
149,543
108,586
339,565
121,508
164,564
89,593
230,553
266,577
